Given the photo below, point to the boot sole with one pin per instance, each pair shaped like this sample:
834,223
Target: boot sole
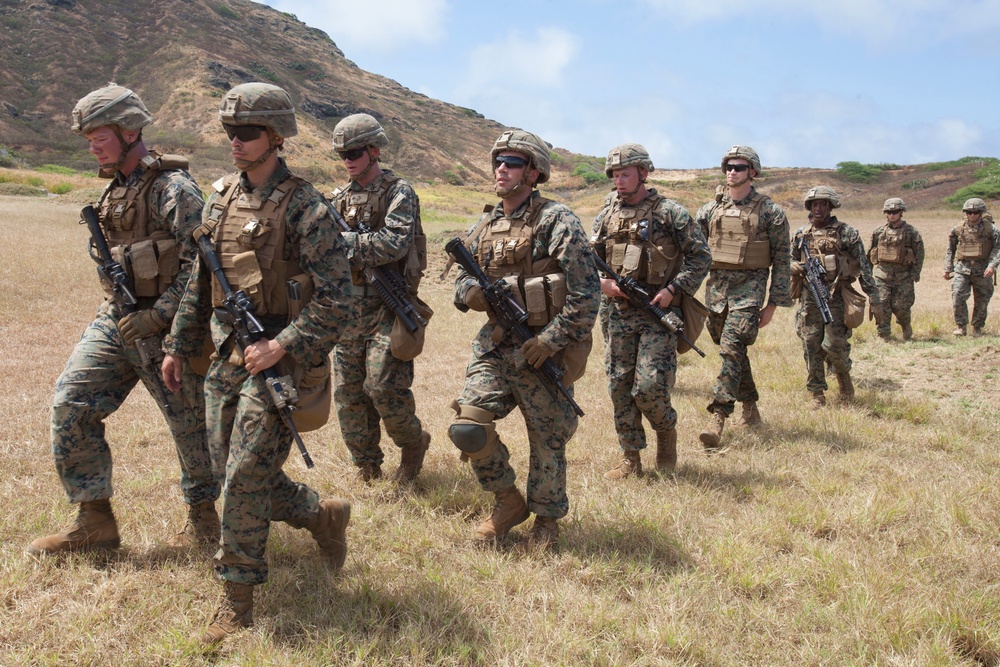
109,545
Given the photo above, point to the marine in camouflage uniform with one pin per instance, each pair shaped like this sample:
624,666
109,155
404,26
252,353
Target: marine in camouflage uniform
748,234
972,259
841,249
645,236
266,226
147,213
539,245
370,382
897,257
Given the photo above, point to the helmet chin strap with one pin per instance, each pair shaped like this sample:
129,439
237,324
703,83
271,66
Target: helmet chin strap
244,165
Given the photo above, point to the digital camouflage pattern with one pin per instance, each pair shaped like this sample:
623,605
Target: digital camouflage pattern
735,297
498,380
369,383
242,420
829,344
102,371
640,355
896,281
969,279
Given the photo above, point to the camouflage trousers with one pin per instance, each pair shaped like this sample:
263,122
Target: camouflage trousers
981,290
499,382
245,427
823,344
99,376
897,296
640,359
371,385
734,331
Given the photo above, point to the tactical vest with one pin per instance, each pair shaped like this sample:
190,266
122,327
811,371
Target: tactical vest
733,236
149,257
249,236
892,247
974,242
631,252
504,251
825,244
369,208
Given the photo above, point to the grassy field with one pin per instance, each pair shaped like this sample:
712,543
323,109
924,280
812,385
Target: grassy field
850,536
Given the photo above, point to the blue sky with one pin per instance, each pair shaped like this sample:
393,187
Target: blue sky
806,83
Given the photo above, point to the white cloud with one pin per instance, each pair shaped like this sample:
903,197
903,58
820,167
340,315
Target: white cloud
387,25
517,62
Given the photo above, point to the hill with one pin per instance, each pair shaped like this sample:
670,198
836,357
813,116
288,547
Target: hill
181,56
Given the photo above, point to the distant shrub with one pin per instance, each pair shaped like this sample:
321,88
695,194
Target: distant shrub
224,11
887,166
262,70
589,174
918,184
452,178
34,181
7,157
859,173
61,189
56,169
297,66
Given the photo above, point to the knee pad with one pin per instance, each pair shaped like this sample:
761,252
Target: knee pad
473,431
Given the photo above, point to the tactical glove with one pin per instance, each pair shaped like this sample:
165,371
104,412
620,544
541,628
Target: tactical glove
475,300
535,352
141,324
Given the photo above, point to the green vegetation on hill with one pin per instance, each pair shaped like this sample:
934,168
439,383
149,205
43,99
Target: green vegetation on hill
856,172
987,185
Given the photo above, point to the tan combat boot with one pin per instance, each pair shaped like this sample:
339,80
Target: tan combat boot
233,613
202,528
846,387
959,331
630,466
712,435
369,471
750,416
94,528
544,533
510,510
666,450
412,459
329,529
818,400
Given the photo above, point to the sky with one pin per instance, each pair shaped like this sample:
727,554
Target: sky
806,83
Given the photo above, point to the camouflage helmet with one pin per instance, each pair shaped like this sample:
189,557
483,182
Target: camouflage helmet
358,131
893,204
111,105
627,155
527,143
974,205
259,104
822,192
745,153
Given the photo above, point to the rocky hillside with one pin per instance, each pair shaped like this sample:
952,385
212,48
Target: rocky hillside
182,55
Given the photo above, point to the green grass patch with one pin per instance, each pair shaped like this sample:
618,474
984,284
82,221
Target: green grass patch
855,172
56,169
61,189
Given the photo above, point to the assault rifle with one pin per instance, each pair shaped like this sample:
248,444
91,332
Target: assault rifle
511,317
386,280
815,280
639,297
237,311
148,348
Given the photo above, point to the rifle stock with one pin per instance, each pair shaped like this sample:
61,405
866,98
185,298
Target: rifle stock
237,311
511,317
640,298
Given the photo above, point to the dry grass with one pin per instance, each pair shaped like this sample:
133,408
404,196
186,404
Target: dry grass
860,536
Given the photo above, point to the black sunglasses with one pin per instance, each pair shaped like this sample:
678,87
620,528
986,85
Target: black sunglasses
512,162
352,154
737,167
244,132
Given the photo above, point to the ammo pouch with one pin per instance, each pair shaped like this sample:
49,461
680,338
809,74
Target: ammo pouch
973,248
402,344
573,359
854,306
312,409
544,298
694,313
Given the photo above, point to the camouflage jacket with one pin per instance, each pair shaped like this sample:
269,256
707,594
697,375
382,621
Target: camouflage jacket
747,288
895,271
315,238
851,245
392,236
971,267
175,204
672,220
558,233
